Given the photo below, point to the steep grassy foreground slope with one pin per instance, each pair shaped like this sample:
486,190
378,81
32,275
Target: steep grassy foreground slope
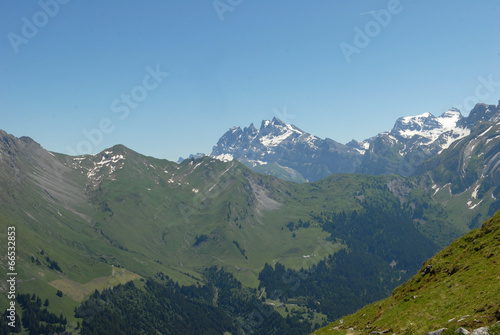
458,287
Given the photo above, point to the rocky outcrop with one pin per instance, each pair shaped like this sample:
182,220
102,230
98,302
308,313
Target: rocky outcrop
481,331
461,330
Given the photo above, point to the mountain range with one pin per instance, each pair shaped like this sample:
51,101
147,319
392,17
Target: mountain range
285,151
316,251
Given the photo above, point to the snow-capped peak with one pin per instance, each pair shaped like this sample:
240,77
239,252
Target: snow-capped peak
272,133
415,118
427,125
426,129
450,118
423,125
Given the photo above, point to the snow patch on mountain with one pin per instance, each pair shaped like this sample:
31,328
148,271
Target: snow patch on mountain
194,168
276,137
360,146
108,162
471,206
257,163
492,138
224,157
484,132
474,193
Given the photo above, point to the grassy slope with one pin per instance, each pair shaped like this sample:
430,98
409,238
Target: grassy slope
171,209
463,289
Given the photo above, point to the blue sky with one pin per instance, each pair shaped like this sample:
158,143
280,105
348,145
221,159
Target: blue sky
88,67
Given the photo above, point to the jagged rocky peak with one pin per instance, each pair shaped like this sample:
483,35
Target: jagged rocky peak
275,122
272,133
482,112
249,132
11,145
251,129
287,148
452,113
275,125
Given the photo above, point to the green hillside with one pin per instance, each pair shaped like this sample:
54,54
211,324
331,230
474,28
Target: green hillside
458,287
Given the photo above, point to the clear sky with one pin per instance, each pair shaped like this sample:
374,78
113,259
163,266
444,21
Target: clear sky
168,78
